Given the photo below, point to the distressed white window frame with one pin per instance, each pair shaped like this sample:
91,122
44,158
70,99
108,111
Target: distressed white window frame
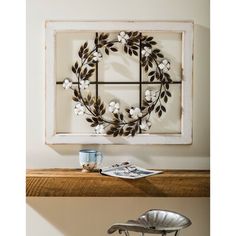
186,28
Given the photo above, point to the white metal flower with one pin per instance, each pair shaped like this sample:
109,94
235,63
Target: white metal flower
99,129
146,51
84,84
114,107
123,37
150,95
79,109
97,56
145,125
164,65
135,113
67,83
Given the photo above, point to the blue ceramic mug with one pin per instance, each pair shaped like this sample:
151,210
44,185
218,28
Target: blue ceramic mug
89,159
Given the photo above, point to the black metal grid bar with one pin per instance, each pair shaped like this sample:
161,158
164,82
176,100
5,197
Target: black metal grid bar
96,82
140,81
118,82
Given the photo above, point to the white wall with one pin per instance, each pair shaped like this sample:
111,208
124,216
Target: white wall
56,217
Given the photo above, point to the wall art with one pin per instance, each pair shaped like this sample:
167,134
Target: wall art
119,82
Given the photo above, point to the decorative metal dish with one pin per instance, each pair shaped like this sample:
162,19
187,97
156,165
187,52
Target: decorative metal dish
153,222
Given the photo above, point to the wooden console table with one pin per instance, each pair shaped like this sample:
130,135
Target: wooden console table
73,183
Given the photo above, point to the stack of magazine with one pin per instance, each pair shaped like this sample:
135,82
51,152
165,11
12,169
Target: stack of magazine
127,170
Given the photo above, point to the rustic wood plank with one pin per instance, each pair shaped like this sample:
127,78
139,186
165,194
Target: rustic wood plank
74,183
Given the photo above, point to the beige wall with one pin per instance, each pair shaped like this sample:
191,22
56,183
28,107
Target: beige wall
56,217
93,216
158,156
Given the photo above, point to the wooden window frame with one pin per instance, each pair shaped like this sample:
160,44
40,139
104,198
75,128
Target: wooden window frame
185,28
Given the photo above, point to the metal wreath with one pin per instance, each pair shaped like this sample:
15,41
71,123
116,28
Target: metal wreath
137,118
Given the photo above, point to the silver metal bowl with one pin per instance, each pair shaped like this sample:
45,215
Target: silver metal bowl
154,222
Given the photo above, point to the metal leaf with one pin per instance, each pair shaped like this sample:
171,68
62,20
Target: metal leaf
156,50
107,51
134,47
121,132
163,108
127,110
101,106
130,52
98,102
76,93
115,133
168,93
157,108
114,49
133,132
91,64
135,33
89,120
109,132
76,65
116,115
95,119
135,53
75,99
110,45
73,69
100,36
162,94
125,49
136,127
86,52
153,43
149,38
89,97
150,64
113,128
165,99
160,55
129,128
167,75
151,73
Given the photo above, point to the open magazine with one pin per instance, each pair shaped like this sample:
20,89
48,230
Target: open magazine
127,170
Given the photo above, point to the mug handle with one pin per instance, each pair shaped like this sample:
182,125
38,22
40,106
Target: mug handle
99,157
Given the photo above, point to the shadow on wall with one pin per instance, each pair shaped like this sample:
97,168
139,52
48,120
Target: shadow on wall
93,216
201,116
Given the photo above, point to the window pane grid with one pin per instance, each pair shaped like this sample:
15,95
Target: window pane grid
140,82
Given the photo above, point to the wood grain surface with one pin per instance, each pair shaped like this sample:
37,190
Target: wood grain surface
74,183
